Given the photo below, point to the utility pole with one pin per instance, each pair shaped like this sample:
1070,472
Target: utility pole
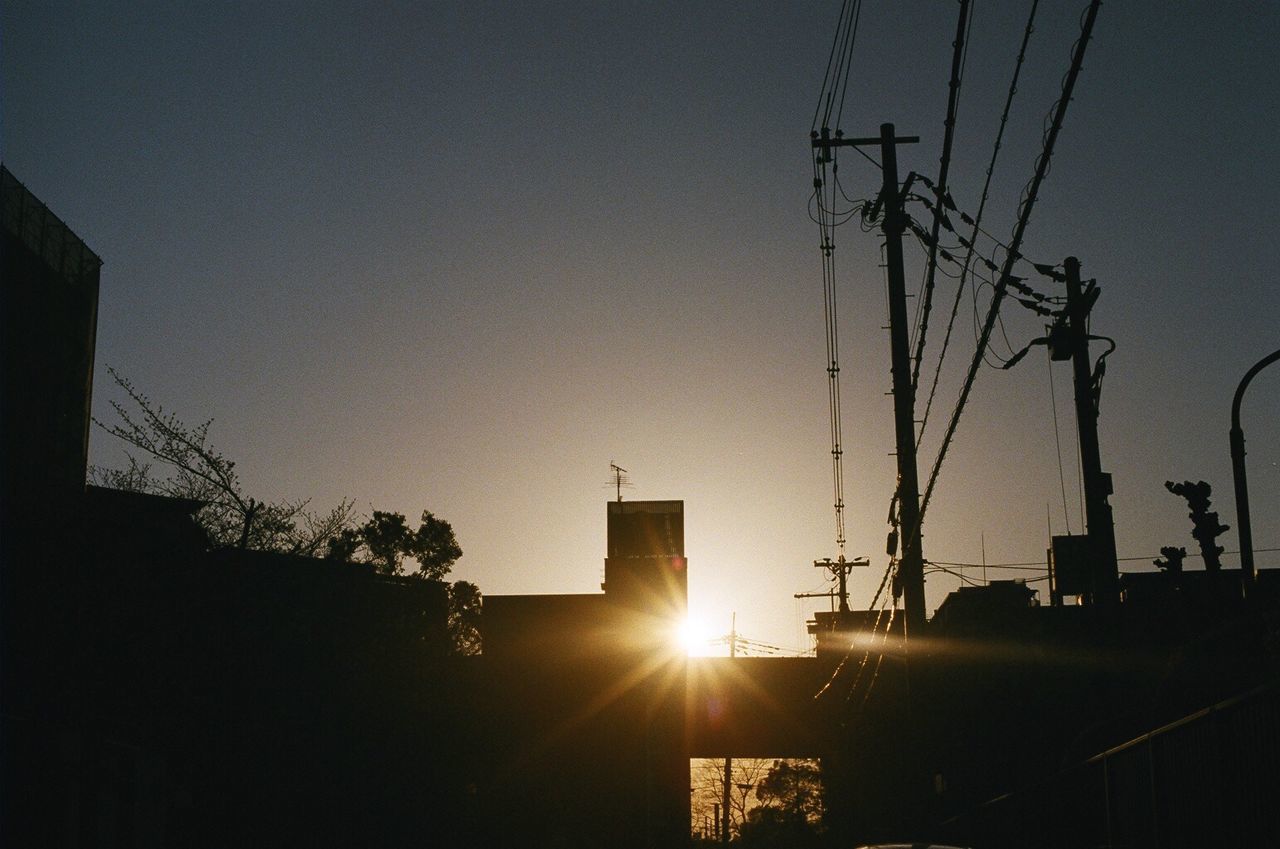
840,570
894,222
1105,576
728,761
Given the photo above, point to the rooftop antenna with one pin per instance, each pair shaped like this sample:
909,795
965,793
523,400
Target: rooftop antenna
619,478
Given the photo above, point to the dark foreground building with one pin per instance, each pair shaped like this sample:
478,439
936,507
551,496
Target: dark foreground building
154,693
1151,723
585,696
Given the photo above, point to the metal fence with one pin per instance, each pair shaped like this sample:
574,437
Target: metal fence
1211,779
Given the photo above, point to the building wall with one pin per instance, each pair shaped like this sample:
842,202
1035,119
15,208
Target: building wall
48,325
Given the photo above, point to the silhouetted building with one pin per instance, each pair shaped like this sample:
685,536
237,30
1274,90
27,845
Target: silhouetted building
595,711
156,694
1007,723
586,743
48,323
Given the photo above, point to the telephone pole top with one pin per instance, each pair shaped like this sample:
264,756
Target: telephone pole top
840,569
1104,584
893,223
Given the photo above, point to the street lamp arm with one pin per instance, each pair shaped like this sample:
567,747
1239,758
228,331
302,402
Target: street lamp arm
1243,525
1244,384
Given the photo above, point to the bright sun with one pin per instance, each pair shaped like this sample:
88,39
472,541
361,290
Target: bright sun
693,636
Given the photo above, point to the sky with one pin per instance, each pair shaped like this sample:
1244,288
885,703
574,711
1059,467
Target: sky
462,256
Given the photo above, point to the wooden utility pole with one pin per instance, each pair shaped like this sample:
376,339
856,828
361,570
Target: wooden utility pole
1105,578
894,222
911,564
728,761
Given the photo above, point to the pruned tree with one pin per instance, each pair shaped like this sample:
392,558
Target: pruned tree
197,470
1172,561
1205,527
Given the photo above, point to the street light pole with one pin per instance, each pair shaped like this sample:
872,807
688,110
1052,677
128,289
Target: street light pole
728,761
1243,527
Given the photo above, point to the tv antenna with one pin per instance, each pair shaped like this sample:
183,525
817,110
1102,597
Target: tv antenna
618,478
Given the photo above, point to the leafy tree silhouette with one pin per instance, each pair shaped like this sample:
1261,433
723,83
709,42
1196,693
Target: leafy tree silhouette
386,541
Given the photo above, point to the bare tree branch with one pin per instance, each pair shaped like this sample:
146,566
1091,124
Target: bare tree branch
198,471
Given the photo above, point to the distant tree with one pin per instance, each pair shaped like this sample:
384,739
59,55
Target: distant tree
767,827
198,471
795,789
706,783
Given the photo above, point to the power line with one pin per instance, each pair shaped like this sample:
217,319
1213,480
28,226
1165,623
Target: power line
1024,218
1057,444
959,52
831,98
977,219
1027,564
835,80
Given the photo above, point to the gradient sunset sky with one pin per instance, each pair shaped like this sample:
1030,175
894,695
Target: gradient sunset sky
461,256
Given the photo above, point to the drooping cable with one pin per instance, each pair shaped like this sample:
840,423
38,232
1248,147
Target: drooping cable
827,225
827,193
959,51
850,39
1025,207
825,93
977,218
835,80
1057,443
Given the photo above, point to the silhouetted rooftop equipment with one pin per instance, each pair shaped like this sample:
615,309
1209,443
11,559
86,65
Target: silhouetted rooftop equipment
1068,567
983,605
618,479
835,631
646,529
645,566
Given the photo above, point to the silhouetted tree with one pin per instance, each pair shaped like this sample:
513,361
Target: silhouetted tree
198,471
386,542
795,789
1205,528
231,519
706,783
768,827
1173,557
464,617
